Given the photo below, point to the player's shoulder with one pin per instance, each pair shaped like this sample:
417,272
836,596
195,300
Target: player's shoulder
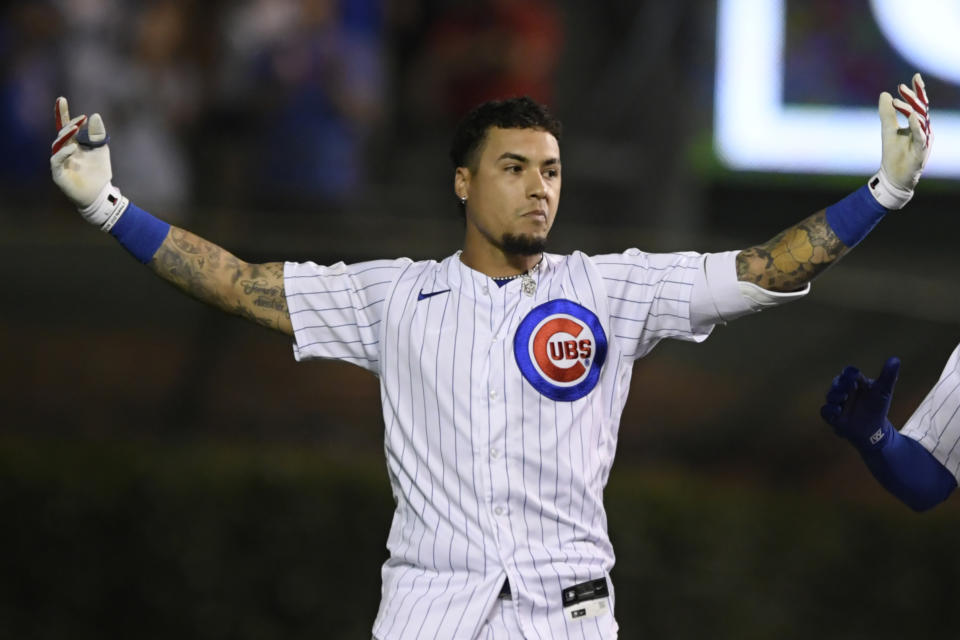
378,270
417,269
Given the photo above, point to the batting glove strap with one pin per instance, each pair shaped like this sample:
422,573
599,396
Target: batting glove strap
889,195
872,442
106,209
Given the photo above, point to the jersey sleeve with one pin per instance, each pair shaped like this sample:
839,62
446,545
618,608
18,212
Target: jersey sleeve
648,297
336,311
719,296
936,422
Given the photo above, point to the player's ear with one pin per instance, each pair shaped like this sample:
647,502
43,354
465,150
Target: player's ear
461,183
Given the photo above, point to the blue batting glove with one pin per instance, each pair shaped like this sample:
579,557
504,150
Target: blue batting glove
856,406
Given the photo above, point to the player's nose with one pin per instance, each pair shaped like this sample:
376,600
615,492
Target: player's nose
537,186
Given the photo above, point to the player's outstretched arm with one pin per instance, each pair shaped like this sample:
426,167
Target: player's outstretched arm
799,254
80,164
213,275
856,407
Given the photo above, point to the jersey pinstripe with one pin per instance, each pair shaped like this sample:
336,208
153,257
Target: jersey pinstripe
491,477
936,422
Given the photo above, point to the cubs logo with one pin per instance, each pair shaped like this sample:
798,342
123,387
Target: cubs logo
560,348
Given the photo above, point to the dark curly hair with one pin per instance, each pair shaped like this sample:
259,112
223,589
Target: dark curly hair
513,113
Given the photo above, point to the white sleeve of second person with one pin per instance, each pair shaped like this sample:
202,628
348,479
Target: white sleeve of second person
719,297
936,422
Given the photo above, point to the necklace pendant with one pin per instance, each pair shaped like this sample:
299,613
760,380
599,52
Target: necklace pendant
528,285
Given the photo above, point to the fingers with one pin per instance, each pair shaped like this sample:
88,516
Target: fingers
844,383
888,114
920,89
837,395
94,135
840,389
917,106
917,129
96,132
913,100
916,100
61,112
850,371
831,413
906,109
888,376
58,158
67,133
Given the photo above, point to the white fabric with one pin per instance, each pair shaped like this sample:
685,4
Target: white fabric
725,298
936,422
493,479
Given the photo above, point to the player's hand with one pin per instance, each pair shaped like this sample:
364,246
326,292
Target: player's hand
80,164
856,406
905,151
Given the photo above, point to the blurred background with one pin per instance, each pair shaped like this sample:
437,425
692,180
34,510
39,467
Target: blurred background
166,470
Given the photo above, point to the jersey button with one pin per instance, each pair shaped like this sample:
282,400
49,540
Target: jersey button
493,394
494,453
486,291
498,511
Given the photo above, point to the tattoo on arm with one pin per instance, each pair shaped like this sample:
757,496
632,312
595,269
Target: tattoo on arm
793,257
213,275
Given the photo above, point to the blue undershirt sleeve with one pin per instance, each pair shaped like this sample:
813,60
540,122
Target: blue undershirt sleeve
908,471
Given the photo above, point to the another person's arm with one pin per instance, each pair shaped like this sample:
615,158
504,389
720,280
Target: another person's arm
857,407
80,163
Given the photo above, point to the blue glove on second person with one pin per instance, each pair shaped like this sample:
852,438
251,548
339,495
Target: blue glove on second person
857,406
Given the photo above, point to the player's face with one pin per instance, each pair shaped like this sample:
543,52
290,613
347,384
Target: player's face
513,193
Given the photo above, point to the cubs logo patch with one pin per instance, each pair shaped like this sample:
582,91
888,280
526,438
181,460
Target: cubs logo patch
560,349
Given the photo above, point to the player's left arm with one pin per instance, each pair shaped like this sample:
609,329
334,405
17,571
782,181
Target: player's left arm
792,258
796,256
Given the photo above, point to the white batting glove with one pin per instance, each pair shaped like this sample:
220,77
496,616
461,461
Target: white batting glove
80,164
905,151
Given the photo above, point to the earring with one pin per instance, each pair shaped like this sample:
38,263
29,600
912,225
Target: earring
463,200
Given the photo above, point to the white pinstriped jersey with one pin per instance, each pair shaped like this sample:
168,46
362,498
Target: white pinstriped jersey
936,422
501,412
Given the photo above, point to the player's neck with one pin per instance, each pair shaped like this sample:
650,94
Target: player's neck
495,263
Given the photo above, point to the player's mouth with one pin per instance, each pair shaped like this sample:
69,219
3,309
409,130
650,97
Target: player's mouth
536,214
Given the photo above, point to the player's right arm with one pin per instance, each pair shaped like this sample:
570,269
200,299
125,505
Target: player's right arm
80,164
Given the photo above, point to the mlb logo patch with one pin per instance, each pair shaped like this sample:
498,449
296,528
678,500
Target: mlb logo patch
560,349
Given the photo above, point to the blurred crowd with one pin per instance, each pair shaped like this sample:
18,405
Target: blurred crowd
258,103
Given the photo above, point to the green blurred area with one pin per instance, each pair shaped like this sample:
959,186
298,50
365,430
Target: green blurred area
149,540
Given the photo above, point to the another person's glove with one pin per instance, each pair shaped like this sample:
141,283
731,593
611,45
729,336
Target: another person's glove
80,164
905,151
856,406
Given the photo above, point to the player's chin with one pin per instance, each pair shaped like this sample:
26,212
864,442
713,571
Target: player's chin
524,244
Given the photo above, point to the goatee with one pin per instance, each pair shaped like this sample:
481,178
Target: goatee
522,245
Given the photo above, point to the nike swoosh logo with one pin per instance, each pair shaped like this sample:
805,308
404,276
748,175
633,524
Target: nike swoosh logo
423,296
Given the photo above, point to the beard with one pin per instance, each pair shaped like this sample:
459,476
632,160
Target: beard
522,244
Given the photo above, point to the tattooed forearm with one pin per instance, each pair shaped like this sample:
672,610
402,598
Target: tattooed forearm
793,257
214,276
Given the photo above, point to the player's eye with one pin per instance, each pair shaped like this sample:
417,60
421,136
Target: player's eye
552,173
514,168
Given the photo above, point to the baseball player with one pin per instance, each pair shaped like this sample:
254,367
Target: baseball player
503,369
920,464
